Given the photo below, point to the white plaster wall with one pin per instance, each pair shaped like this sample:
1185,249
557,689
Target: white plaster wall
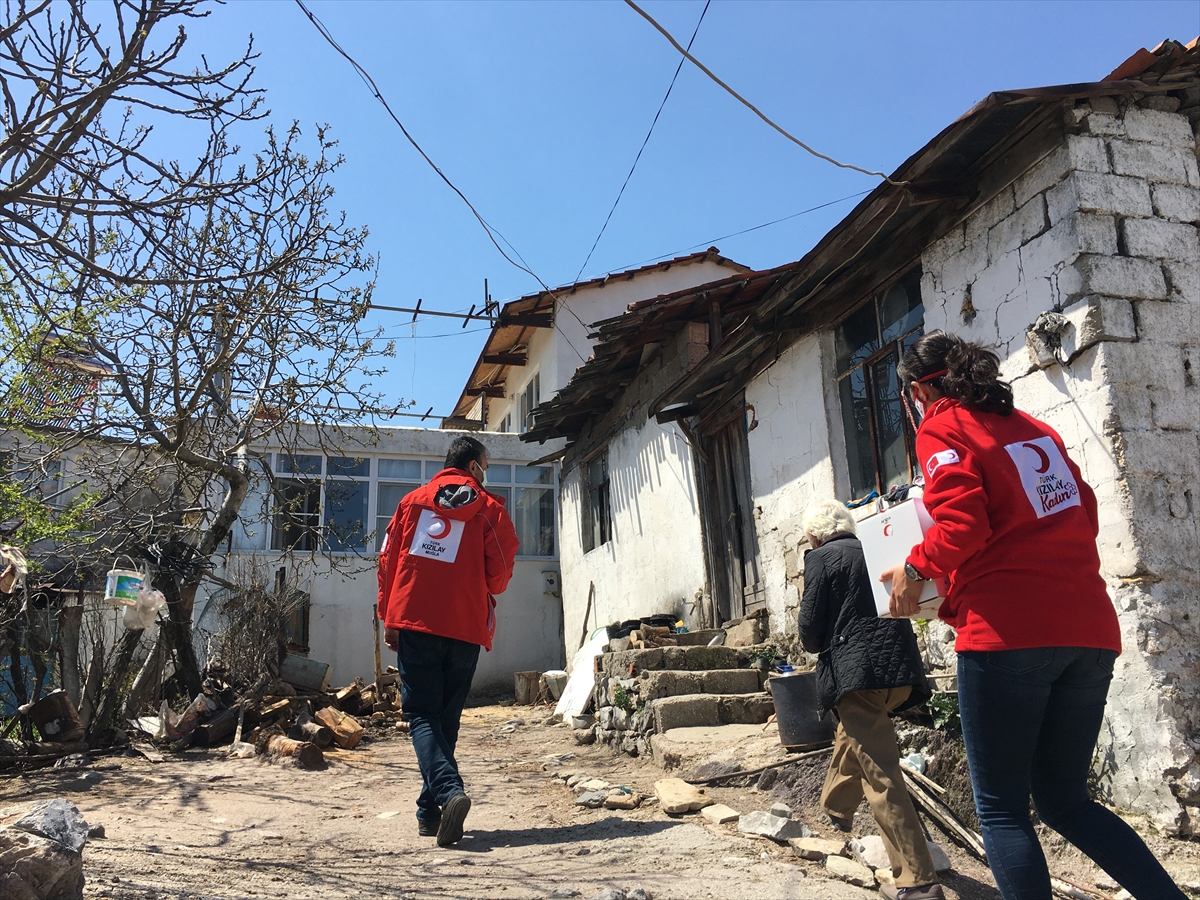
343,588
655,560
790,465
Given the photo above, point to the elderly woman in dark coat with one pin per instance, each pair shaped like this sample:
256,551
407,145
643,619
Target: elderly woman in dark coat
867,668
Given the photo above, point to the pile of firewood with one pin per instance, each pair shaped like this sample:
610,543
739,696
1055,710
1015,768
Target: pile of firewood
274,718
649,636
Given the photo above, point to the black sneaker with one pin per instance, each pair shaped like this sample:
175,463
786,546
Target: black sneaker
454,814
428,829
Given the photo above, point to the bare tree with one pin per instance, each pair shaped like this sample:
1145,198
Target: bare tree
159,324
79,189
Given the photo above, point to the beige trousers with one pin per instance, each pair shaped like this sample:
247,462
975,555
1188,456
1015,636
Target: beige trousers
866,760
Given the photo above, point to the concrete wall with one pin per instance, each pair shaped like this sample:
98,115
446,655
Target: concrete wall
343,587
655,560
1102,230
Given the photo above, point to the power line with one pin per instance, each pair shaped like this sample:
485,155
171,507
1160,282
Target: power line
723,237
791,137
621,192
492,232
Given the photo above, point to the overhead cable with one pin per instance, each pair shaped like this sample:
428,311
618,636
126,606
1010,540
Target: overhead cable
492,232
712,241
621,192
791,137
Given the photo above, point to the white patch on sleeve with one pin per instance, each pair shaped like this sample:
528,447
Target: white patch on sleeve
1045,475
437,537
939,459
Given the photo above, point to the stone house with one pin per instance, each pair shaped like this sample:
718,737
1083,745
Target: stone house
1057,225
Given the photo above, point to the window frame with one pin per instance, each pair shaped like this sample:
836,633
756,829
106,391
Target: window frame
511,488
893,348
597,525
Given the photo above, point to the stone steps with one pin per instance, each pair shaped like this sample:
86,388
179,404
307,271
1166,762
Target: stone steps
625,663
710,710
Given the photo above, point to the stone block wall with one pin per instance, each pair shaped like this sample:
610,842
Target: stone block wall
1084,274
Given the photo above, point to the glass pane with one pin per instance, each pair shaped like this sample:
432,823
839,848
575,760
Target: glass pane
297,464
388,501
505,492
889,423
390,496
535,475
857,338
400,468
533,515
349,465
345,514
499,474
432,467
856,420
901,310
297,515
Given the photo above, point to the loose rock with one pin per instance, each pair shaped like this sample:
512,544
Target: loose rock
817,848
677,796
38,868
850,871
591,799
622,800
776,828
56,820
719,814
782,810
869,851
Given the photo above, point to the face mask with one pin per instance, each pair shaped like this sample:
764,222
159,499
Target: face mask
481,474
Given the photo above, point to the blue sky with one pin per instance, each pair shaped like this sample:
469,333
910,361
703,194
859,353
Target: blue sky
536,110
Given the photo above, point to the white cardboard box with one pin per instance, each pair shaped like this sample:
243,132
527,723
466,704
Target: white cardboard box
887,539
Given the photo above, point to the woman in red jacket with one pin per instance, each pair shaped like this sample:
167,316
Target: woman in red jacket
1014,533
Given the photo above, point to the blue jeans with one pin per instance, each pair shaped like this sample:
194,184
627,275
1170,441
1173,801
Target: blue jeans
435,678
1030,719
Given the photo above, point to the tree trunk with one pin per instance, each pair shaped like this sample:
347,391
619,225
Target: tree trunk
93,683
181,600
118,677
70,621
146,686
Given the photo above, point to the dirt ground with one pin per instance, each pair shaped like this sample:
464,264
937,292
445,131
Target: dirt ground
201,827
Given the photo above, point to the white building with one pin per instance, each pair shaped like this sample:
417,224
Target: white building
1057,225
325,519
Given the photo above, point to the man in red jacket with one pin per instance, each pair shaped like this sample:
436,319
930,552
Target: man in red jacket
449,548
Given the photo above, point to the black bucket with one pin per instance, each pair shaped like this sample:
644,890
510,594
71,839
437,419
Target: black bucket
796,706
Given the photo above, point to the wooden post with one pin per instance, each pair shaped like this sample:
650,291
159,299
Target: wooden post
378,660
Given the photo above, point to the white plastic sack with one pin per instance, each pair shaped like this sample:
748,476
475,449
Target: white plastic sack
583,676
145,613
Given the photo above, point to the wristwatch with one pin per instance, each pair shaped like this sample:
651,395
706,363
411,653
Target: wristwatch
912,574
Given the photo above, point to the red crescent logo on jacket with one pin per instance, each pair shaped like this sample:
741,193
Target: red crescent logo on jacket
1045,475
1041,470
939,459
438,526
887,530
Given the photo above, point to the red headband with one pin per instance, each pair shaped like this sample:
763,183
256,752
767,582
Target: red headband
932,375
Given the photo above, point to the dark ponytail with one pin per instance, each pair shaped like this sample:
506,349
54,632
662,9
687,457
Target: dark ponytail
967,372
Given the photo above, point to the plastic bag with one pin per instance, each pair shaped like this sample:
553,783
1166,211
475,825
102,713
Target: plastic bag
173,726
145,613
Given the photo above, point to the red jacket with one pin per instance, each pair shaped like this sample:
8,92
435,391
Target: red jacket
1014,530
449,547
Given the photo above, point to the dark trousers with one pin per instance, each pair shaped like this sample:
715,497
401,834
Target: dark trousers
435,678
1030,720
